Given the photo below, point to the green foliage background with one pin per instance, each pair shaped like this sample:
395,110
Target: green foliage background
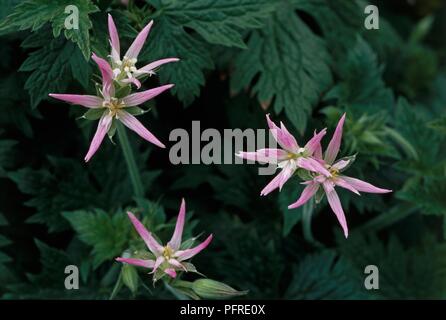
304,61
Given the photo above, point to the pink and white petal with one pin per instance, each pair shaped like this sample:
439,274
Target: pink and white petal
341,164
103,126
279,180
287,173
175,242
272,185
87,101
318,150
114,55
271,124
158,262
141,97
137,262
133,80
313,165
344,184
363,186
268,155
288,139
138,43
315,142
107,76
328,185
133,124
306,194
104,67
189,253
114,39
151,243
335,142
335,204
284,139
148,68
177,264
171,272
108,91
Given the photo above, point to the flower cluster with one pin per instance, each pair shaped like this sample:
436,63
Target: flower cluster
170,258
115,104
321,170
114,100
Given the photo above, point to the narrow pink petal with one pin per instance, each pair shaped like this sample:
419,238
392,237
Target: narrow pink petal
104,67
177,264
138,43
364,186
114,54
288,138
137,262
158,262
344,184
306,195
271,124
340,164
335,142
279,180
328,185
287,173
148,68
315,142
114,38
189,253
171,272
318,150
272,185
282,136
107,76
132,123
175,242
335,204
313,165
141,97
268,155
82,100
103,127
133,80
151,243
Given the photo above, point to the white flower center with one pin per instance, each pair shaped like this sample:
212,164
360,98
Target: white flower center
113,105
124,68
290,162
167,252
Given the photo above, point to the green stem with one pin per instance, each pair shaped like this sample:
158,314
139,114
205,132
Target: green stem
130,159
175,293
117,287
307,212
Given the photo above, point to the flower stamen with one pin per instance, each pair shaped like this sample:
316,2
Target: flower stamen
114,105
167,252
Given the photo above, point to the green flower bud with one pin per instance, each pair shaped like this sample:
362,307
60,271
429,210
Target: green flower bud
130,277
211,289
